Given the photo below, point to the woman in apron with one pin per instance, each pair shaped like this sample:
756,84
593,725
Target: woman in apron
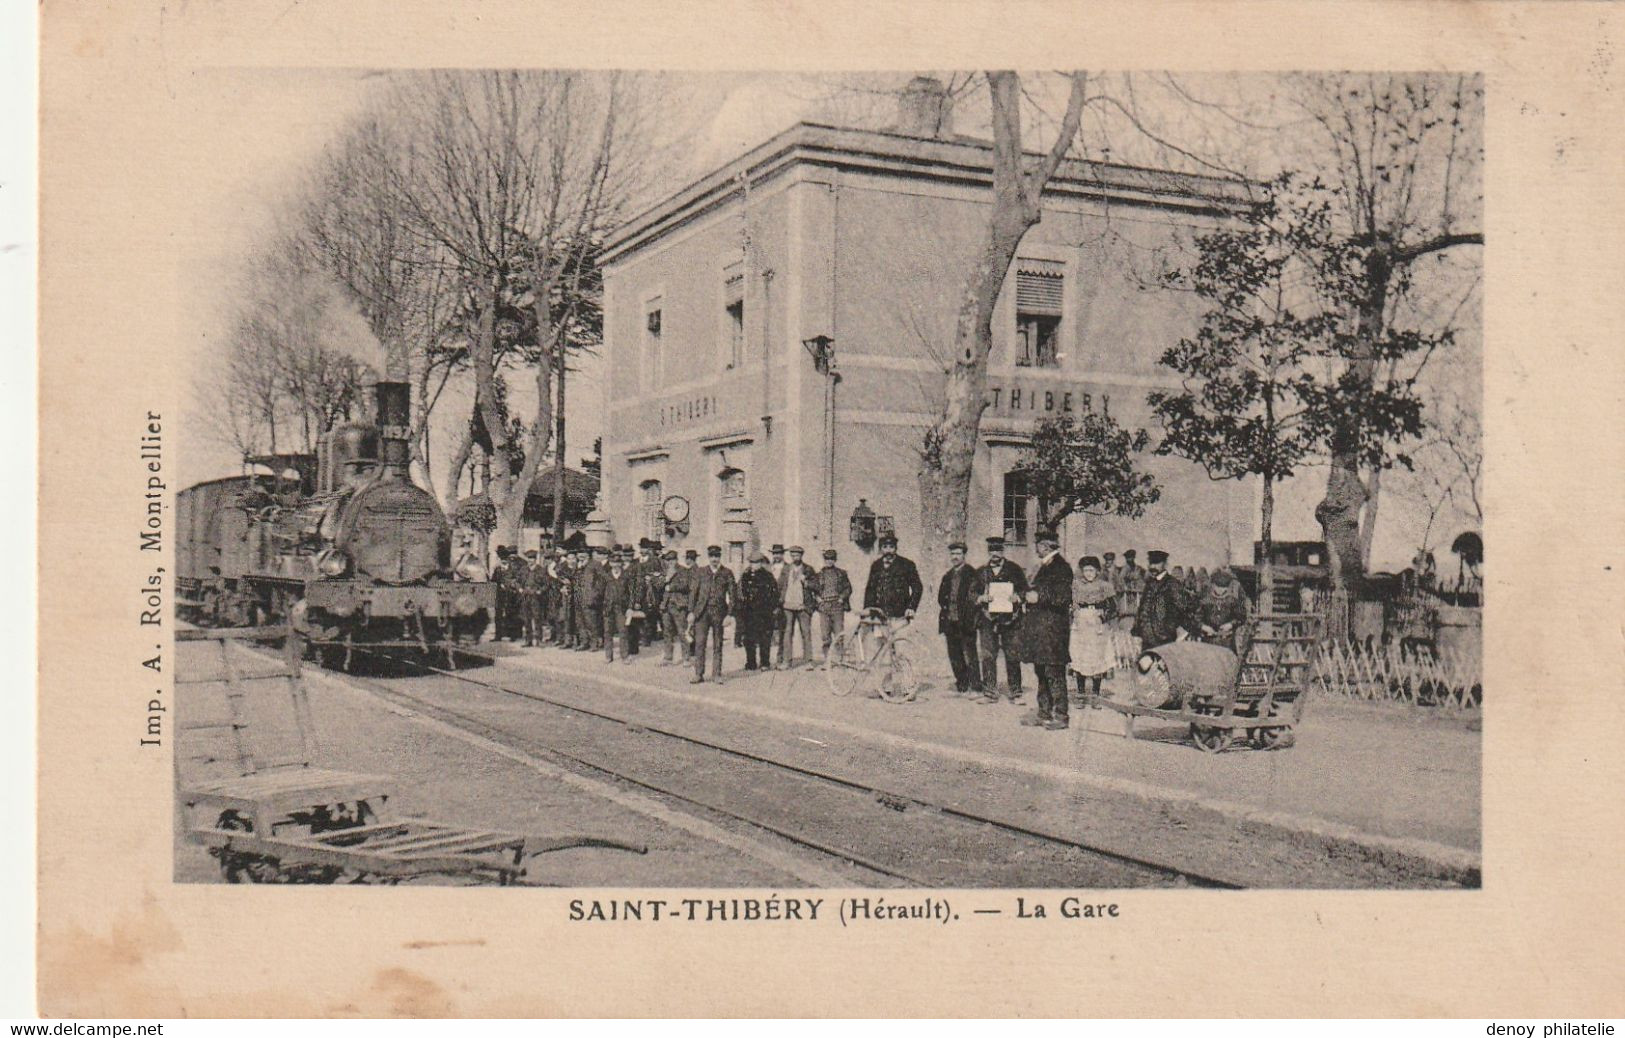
1094,606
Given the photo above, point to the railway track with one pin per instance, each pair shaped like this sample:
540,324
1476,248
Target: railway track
891,833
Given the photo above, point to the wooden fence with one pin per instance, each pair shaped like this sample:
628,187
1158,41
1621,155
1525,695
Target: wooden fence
1450,678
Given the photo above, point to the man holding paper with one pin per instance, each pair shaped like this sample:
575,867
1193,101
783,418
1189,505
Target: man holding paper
1004,585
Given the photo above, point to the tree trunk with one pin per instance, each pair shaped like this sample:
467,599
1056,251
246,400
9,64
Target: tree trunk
948,450
497,485
558,458
1266,539
512,511
1339,511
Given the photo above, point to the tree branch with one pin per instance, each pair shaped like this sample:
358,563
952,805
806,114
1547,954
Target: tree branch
1406,253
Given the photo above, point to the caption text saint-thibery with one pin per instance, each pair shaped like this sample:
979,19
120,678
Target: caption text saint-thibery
849,911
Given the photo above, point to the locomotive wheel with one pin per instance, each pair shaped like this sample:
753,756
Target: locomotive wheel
1211,738
1273,738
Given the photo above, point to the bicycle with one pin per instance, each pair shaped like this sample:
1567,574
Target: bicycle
886,670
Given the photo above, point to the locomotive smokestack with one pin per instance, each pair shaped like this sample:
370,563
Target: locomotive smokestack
395,424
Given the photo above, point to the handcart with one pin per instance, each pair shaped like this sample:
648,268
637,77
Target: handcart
288,821
1261,695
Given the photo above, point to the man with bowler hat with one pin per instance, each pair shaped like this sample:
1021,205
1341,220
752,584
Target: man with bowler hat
1164,606
710,599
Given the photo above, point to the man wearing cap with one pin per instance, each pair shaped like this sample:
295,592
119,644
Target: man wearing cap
775,567
834,591
1046,626
1164,607
553,563
710,599
593,577
894,585
798,597
639,568
564,609
995,631
652,572
677,581
506,578
758,614
623,596
1223,613
531,589
1130,586
958,609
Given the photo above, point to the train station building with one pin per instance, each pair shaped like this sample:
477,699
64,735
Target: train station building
776,337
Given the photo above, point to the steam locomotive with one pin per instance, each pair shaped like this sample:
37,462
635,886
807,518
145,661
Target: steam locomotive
343,544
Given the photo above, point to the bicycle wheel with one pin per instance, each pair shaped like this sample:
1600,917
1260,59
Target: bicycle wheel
897,684
840,673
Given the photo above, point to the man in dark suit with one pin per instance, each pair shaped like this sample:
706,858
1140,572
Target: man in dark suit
592,596
674,606
532,590
757,614
623,594
957,614
1046,627
711,598
894,585
1165,608
995,632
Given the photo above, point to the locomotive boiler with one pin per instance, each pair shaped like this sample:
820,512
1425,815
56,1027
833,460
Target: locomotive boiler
344,545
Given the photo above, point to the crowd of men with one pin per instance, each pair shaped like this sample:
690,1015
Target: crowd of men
617,599
1059,621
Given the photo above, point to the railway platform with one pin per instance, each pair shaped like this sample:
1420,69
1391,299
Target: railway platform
1383,780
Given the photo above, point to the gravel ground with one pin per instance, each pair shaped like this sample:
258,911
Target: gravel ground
796,720
446,779
1184,838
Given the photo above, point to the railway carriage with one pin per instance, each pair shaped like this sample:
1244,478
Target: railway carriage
343,544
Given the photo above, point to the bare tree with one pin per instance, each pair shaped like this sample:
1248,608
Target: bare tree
294,365
949,445
513,175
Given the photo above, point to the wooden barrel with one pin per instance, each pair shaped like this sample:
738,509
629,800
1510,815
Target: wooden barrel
1173,675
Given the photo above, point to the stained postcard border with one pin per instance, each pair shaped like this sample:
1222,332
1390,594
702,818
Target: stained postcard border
1544,934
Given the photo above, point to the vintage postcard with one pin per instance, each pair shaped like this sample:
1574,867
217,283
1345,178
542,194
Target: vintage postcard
888,509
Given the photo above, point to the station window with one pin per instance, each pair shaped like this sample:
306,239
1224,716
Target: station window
1017,505
654,523
1040,298
1021,507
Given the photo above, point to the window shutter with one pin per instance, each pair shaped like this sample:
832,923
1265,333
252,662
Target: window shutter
734,284
1040,287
